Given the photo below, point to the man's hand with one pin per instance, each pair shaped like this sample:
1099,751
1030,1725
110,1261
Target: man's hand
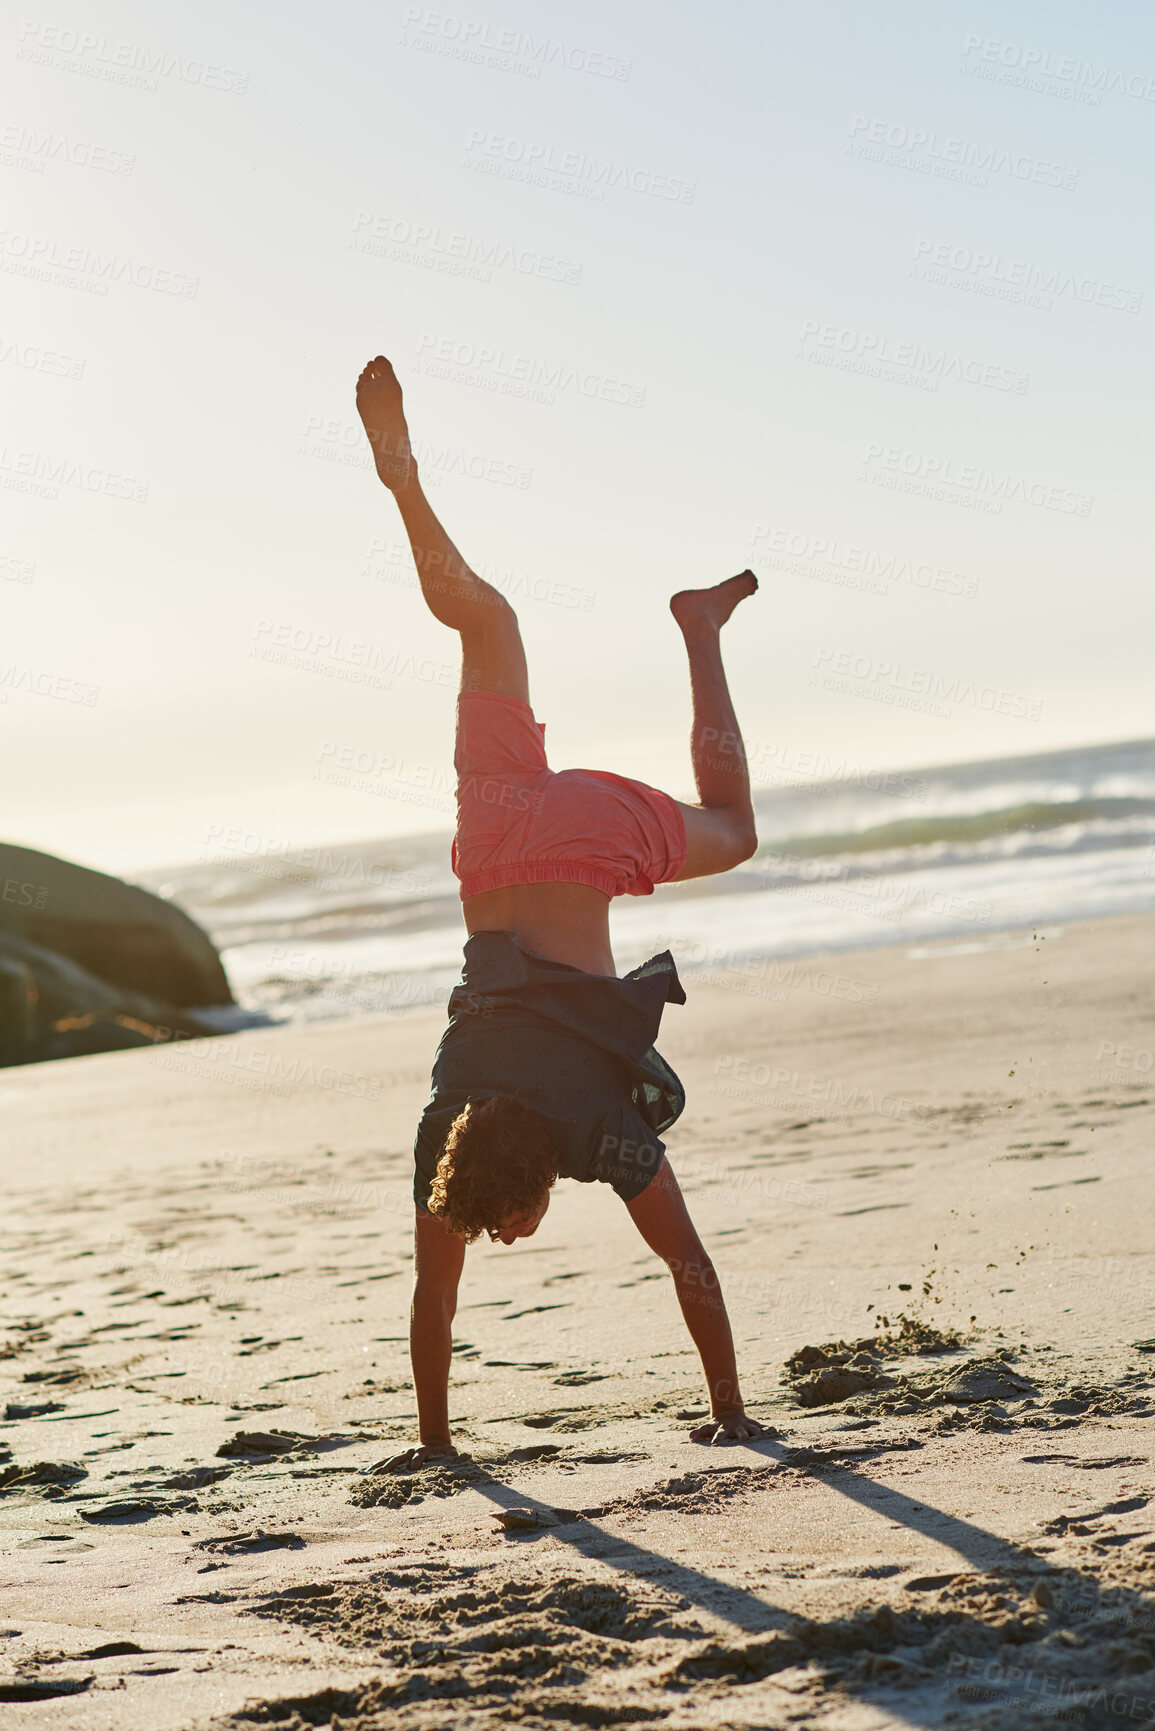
728,1427
410,1459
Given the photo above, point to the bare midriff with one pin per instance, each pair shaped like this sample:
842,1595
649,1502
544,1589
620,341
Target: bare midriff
564,922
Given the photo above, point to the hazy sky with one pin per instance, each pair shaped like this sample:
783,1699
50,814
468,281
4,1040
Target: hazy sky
857,295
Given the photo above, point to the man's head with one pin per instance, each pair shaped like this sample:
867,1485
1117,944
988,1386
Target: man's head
524,1226
496,1172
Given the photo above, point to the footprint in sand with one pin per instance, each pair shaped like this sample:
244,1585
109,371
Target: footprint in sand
195,1478
517,1364
45,1543
1094,1464
280,1442
43,1478
546,1420
135,1509
42,1688
611,1457
245,1544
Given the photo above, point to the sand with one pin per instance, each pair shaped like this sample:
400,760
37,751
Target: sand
929,1167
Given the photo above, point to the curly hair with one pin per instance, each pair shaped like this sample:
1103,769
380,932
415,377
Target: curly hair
498,1165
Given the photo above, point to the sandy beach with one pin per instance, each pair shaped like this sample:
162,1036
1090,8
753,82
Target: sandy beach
929,1166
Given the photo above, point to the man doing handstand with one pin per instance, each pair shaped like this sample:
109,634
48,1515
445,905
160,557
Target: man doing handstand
548,1066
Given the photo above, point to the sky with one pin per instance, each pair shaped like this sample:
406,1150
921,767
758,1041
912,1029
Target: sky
858,296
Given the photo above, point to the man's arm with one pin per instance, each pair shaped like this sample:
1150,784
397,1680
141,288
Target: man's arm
661,1216
439,1256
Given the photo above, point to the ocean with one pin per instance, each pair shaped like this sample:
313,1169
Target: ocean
969,853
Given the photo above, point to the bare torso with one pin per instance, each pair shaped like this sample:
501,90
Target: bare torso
566,922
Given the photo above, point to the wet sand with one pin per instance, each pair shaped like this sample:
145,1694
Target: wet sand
929,1167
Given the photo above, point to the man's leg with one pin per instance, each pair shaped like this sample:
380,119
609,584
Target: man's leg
720,831
492,656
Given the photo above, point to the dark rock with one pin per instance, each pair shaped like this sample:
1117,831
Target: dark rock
122,934
91,964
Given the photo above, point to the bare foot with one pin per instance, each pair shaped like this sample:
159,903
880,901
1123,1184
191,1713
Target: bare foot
410,1459
728,1427
712,607
379,406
